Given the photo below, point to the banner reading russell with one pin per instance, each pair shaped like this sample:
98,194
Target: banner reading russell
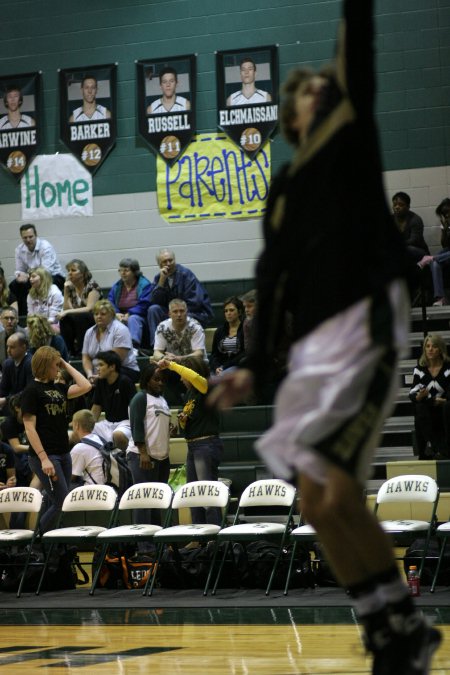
88,112
20,116
247,95
166,104
213,179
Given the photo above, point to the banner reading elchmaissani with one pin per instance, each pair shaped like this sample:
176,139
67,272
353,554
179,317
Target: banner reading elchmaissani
213,179
56,186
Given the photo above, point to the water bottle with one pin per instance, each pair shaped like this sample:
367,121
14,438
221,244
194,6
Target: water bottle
413,581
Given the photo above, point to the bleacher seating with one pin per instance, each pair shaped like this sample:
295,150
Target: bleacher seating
242,425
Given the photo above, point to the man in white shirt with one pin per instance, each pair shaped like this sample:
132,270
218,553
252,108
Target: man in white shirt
87,461
31,253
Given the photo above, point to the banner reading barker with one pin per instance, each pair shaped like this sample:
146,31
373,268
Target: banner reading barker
19,121
247,95
166,104
88,112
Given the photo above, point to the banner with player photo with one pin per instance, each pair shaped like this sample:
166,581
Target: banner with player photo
87,105
166,104
247,95
20,121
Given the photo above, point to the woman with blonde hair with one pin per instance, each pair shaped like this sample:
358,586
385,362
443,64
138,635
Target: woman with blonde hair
108,333
44,406
40,333
429,394
44,297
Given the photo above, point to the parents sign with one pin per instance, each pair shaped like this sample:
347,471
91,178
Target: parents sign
56,186
213,180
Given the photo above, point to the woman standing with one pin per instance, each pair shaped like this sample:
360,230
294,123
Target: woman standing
429,391
81,293
44,297
200,426
148,449
44,405
228,342
108,333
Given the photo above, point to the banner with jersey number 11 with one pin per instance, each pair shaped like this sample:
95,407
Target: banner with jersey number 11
166,104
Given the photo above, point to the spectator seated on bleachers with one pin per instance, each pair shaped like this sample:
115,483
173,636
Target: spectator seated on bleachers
7,298
178,337
176,281
108,333
16,369
40,333
9,324
44,297
429,394
442,258
81,293
130,297
228,342
249,301
112,395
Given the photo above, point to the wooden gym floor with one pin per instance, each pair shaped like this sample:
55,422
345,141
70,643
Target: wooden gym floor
239,641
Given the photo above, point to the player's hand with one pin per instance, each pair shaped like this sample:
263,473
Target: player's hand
231,388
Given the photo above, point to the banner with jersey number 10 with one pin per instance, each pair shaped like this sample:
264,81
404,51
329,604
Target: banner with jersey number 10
166,104
20,121
87,107
247,95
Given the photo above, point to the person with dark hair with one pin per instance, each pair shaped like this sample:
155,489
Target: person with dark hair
112,395
14,119
9,324
44,410
199,424
13,433
148,449
228,348
16,369
350,310
249,300
170,101
248,94
441,259
176,281
7,298
81,293
130,297
411,227
90,110
33,252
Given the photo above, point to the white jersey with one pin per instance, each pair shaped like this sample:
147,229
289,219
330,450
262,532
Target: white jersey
99,114
87,461
259,96
157,107
24,122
